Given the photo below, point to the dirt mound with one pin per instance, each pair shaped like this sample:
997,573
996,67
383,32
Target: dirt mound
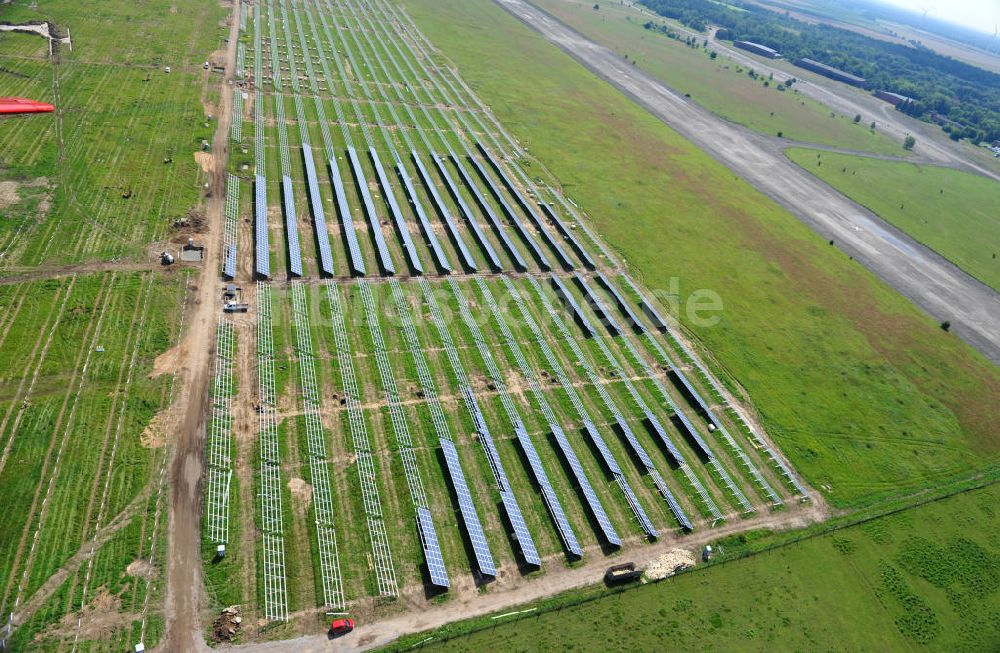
169,361
227,624
204,159
140,569
667,564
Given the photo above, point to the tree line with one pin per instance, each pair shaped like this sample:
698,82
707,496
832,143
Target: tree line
967,98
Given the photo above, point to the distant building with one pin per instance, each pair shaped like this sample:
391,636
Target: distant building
894,99
831,72
757,48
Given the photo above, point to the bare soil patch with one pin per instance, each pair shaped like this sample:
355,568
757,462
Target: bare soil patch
98,620
154,435
204,159
140,569
8,194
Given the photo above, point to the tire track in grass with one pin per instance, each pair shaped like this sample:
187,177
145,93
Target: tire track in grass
161,477
24,394
10,315
94,332
114,448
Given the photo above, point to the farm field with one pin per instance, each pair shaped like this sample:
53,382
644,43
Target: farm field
107,176
947,210
82,452
885,584
721,85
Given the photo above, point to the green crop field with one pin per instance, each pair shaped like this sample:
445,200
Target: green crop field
828,353
721,85
951,211
925,579
116,161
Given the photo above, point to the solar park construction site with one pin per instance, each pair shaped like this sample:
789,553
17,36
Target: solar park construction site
473,387
386,369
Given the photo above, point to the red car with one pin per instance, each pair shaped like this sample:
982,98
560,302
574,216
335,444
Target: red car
340,627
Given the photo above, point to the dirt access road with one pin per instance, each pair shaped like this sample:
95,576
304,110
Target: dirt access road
920,274
184,583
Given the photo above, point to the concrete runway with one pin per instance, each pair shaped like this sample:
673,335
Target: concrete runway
930,281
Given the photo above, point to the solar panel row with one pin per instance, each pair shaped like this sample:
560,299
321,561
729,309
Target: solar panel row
480,548
528,209
432,549
291,226
319,215
602,447
487,210
598,306
442,258
442,209
540,256
568,234
521,533
548,493
623,305
262,262
366,197
568,299
588,491
661,433
396,212
467,213
346,220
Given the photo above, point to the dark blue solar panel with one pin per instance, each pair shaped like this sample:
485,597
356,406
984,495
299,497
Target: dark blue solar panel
467,213
445,214
637,448
540,256
644,521
521,533
568,299
397,214
501,231
418,208
526,206
230,267
480,548
702,445
671,500
262,247
568,234
665,438
506,495
593,501
373,222
291,227
432,550
598,306
602,447
319,215
548,493
346,220
623,305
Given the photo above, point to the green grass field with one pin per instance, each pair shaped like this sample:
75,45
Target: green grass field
117,159
864,392
951,211
721,85
925,579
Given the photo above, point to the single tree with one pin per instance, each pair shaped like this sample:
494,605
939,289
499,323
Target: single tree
857,119
909,142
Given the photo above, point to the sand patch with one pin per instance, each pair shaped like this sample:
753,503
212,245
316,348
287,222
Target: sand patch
169,361
204,159
140,569
301,491
8,194
154,435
